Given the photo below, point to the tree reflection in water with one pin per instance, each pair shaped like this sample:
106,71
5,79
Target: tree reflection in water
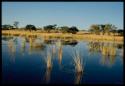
23,45
108,54
107,50
12,49
36,45
73,43
94,47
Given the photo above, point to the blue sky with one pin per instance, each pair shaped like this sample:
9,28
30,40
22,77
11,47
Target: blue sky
80,14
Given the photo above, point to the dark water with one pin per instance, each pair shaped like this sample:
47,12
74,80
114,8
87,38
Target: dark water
24,60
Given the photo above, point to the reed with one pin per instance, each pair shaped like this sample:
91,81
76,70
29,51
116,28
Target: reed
108,54
78,62
60,55
49,60
47,75
12,49
78,78
23,45
53,50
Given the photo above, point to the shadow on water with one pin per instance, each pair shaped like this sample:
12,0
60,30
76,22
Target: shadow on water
69,42
7,38
64,42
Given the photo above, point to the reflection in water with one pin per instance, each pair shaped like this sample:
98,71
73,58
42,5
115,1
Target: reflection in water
122,55
59,44
107,50
64,42
47,75
69,42
49,41
7,38
60,55
53,50
78,78
23,45
12,49
78,62
30,45
108,54
35,45
48,60
94,47
79,67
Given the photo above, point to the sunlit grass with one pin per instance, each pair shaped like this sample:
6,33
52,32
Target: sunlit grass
65,36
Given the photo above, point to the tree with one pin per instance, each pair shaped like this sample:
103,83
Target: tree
7,27
108,28
16,23
114,29
64,29
95,29
30,27
120,32
48,28
73,30
102,26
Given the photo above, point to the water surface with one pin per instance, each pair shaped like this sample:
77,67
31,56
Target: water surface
24,61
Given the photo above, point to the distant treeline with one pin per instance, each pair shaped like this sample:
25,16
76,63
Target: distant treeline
94,29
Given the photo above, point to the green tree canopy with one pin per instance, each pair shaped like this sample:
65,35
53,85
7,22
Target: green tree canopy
30,27
48,28
16,23
64,29
73,30
7,27
95,29
120,31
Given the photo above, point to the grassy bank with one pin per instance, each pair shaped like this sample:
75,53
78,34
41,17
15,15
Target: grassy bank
63,36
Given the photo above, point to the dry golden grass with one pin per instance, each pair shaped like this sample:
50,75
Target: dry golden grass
63,36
